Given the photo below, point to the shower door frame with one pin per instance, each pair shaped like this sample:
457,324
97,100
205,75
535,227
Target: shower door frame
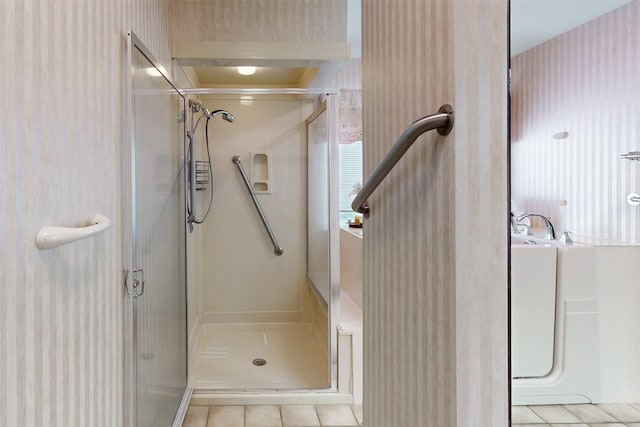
329,107
130,337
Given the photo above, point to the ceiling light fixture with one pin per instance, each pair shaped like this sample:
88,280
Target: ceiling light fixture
247,71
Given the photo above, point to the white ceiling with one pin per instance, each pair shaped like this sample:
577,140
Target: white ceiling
535,21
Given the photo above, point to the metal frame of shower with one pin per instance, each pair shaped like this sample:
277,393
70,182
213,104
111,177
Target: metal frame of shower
333,311
330,106
129,228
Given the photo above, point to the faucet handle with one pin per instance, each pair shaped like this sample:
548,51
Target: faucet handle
518,227
566,238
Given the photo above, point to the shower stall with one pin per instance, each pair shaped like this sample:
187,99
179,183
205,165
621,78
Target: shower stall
263,306
231,245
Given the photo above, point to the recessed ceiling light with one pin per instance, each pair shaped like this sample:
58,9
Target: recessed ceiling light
247,71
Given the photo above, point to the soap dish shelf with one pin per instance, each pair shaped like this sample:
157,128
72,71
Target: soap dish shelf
202,175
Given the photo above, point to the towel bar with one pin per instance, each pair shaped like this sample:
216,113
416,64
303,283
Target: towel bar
50,237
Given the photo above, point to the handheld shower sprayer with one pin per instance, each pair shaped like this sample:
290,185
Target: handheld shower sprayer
197,107
225,115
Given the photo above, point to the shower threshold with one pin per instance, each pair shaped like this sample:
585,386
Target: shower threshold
270,397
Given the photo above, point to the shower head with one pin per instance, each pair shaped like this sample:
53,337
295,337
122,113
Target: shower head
225,115
197,107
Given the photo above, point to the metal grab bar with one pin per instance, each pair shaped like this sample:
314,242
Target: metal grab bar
442,121
277,249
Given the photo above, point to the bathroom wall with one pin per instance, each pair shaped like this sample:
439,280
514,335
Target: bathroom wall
584,82
61,127
280,21
349,77
241,279
435,295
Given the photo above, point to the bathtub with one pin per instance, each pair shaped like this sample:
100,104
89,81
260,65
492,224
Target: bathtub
595,351
350,352
533,305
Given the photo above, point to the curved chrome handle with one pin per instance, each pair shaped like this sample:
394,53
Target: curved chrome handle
633,199
442,121
50,237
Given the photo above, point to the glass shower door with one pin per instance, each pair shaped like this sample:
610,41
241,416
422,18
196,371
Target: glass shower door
318,215
323,252
157,282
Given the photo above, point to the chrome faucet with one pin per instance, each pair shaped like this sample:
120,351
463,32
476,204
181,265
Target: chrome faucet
514,224
549,232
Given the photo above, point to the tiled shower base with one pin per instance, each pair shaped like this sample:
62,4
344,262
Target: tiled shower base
294,356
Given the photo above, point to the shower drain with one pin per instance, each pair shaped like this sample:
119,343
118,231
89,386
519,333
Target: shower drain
259,362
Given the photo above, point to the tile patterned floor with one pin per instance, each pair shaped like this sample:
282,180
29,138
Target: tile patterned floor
273,416
587,415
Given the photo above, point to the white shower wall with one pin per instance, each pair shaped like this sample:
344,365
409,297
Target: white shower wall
241,279
61,130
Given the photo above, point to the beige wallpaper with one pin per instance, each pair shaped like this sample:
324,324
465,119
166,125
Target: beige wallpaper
584,82
300,21
435,297
61,310
481,212
349,77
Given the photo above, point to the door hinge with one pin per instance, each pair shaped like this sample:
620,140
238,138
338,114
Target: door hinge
134,282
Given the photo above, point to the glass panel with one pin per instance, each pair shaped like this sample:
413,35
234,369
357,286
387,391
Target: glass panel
318,203
323,254
159,245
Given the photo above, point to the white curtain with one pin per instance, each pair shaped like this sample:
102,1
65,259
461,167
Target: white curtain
350,116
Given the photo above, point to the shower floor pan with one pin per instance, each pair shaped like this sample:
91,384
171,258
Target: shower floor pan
255,357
